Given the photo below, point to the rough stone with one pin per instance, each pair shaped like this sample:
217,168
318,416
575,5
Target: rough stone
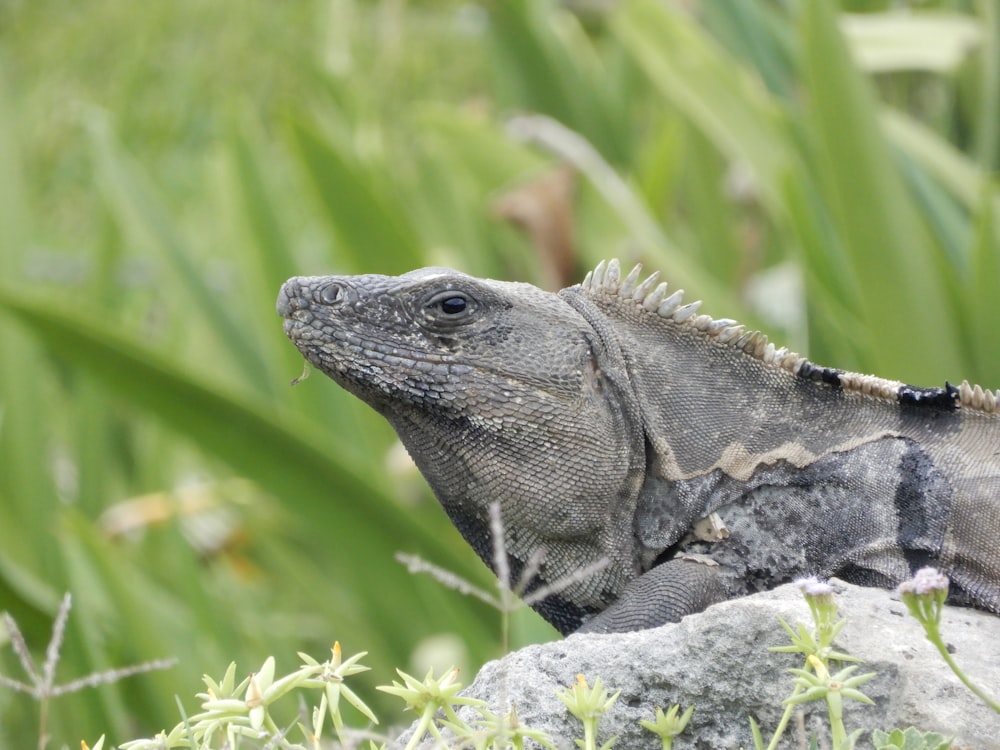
719,661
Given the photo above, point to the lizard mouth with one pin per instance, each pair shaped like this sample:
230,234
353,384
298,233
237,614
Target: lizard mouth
359,362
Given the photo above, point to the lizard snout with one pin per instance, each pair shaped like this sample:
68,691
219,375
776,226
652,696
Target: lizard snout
290,297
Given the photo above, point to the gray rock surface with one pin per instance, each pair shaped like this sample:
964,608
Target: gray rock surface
718,660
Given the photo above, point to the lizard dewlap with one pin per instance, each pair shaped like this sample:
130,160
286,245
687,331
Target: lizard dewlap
612,421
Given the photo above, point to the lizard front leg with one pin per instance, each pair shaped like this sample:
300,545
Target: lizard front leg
663,594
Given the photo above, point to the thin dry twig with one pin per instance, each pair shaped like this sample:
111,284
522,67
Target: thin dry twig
112,675
561,584
500,563
20,647
55,643
531,569
42,686
416,564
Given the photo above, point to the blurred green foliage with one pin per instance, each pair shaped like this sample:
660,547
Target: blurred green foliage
165,166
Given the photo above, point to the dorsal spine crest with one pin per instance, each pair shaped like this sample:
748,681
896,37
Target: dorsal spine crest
651,295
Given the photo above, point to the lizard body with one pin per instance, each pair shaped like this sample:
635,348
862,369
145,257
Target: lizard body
611,421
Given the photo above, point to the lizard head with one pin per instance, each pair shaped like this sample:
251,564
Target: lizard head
436,340
498,393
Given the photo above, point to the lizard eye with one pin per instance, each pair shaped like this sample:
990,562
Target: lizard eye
331,294
451,305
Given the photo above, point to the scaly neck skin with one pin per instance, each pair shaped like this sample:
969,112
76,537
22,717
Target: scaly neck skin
562,467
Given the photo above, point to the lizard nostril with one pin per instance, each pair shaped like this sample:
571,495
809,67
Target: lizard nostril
331,294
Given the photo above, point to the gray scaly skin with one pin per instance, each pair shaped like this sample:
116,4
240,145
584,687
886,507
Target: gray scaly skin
610,421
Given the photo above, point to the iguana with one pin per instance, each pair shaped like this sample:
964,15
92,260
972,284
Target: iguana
611,421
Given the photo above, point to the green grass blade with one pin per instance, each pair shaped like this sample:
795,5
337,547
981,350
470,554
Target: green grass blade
288,459
625,202
134,203
529,63
983,302
369,220
835,334
25,441
716,93
259,217
758,33
478,144
952,169
547,63
888,249
987,132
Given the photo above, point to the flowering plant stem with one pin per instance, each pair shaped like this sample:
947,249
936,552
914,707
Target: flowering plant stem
785,718
924,596
934,636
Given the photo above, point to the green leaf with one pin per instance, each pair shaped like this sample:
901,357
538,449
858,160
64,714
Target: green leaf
716,93
887,247
949,167
891,41
25,441
263,225
758,739
135,204
547,63
987,131
909,739
981,302
368,218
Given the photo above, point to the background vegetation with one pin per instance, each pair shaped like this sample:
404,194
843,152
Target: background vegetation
165,166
